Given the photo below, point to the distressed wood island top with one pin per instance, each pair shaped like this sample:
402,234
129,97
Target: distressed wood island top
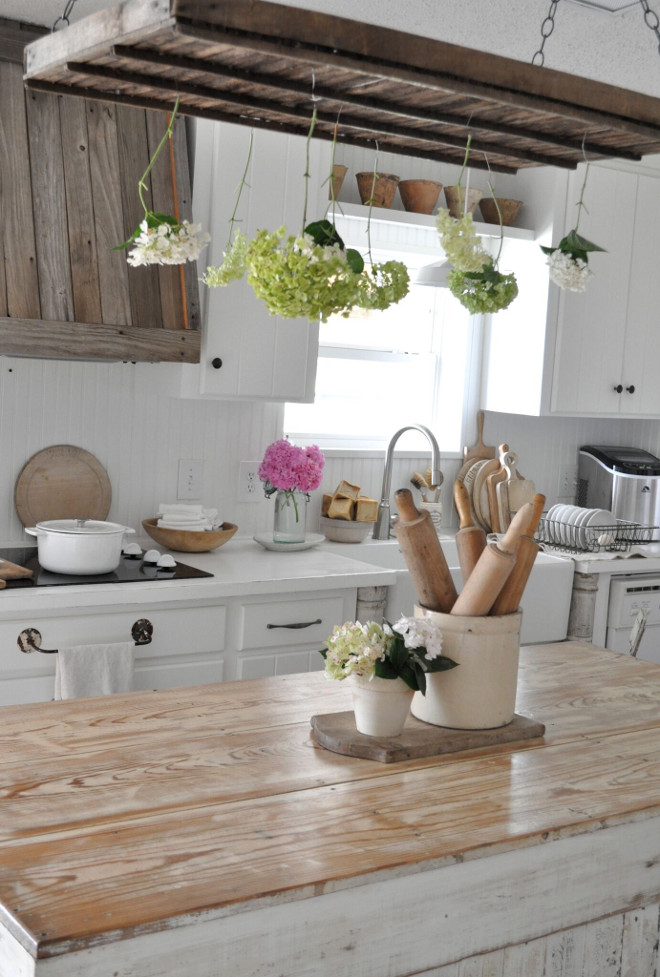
200,831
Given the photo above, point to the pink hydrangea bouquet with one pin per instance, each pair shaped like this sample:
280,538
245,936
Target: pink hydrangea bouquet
287,467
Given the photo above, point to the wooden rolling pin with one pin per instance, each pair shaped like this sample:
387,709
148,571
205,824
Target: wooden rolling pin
508,599
423,555
470,539
495,564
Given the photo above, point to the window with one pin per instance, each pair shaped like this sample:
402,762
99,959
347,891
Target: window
380,370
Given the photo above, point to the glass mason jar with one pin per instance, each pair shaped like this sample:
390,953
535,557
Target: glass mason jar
290,516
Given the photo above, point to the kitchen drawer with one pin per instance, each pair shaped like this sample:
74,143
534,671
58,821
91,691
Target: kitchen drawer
177,632
279,623
286,662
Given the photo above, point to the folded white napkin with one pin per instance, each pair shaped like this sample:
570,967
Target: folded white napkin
89,670
183,508
197,525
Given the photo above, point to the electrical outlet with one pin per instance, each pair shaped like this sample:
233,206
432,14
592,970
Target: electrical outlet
249,483
189,485
568,483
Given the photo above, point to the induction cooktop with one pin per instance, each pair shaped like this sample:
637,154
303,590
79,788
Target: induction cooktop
131,569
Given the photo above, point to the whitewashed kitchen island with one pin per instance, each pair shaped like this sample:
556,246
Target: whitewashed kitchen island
200,831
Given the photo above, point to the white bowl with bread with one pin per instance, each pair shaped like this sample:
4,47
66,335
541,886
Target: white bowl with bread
347,516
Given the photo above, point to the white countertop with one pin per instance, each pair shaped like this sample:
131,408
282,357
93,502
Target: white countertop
240,568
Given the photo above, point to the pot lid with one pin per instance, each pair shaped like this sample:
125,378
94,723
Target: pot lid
81,527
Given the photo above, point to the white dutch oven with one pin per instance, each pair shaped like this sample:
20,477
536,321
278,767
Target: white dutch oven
79,546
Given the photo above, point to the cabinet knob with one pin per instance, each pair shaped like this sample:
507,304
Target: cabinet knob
631,389
216,363
619,388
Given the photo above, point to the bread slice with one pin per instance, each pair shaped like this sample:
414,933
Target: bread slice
366,509
341,508
325,504
347,491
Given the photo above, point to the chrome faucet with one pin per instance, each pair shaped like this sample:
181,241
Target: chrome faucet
382,527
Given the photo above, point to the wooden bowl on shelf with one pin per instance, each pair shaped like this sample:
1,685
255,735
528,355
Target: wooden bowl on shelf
509,208
189,541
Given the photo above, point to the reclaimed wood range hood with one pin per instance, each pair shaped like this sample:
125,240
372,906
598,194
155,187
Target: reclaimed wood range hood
259,63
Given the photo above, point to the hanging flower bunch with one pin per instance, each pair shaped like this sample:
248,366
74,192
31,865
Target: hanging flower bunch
569,260
409,650
311,275
475,279
161,239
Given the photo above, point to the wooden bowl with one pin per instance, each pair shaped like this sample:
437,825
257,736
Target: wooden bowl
510,210
189,541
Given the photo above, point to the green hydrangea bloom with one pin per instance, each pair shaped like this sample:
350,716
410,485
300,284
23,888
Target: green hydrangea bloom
233,266
460,242
486,291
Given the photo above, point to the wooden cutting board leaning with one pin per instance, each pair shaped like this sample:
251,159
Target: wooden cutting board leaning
62,482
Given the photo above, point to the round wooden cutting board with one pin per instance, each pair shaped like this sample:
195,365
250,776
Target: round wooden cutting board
62,482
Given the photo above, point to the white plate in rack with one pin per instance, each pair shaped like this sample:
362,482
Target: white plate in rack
266,540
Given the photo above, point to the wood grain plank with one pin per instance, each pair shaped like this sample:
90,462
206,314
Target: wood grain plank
80,211
183,141
49,205
133,160
639,952
17,215
162,192
108,222
73,340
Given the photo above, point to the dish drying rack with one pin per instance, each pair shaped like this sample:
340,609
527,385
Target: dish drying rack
617,538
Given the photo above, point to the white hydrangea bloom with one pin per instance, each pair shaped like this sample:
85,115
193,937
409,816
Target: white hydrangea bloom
568,272
419,632
167,244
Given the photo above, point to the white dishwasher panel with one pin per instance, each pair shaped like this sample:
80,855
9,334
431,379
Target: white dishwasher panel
627,597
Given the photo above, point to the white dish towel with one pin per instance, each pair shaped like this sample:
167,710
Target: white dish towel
88,670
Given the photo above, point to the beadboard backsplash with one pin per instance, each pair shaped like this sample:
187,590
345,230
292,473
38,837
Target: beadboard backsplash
139,438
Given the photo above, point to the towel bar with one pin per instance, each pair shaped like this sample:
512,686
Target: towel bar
29,640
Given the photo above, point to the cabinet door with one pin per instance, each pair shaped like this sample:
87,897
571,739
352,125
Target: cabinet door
639,376
262,356
591,331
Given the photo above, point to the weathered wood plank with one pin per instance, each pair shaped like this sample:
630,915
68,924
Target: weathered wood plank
17,216
170,278
183,138
639,952
14,35
133,160
108,222
80,212
75,340
49,205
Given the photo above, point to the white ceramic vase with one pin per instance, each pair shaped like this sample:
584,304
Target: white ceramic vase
381,705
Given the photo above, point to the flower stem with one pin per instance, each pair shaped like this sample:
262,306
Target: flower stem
243,183
142,186
580,203
310,132
499,214
371,205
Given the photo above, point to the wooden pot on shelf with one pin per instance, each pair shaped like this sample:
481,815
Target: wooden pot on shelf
455,197
419,196
381,185
508,208
339,171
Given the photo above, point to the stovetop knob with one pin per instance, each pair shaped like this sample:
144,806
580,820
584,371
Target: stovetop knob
151,556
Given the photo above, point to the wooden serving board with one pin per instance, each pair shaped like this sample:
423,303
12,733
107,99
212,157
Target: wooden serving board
336,731
62,482
12,571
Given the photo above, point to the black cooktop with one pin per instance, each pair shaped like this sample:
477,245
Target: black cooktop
131,569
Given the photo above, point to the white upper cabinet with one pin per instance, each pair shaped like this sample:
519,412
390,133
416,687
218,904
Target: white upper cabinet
247,353
591,353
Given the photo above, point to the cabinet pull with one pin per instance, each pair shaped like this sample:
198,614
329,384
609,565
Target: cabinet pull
619,388
301,624
216,363
631,389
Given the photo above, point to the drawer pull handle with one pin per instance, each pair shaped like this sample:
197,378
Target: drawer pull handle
295,627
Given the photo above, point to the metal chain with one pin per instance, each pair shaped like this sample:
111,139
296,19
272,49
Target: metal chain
547,28
63,21
651,20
